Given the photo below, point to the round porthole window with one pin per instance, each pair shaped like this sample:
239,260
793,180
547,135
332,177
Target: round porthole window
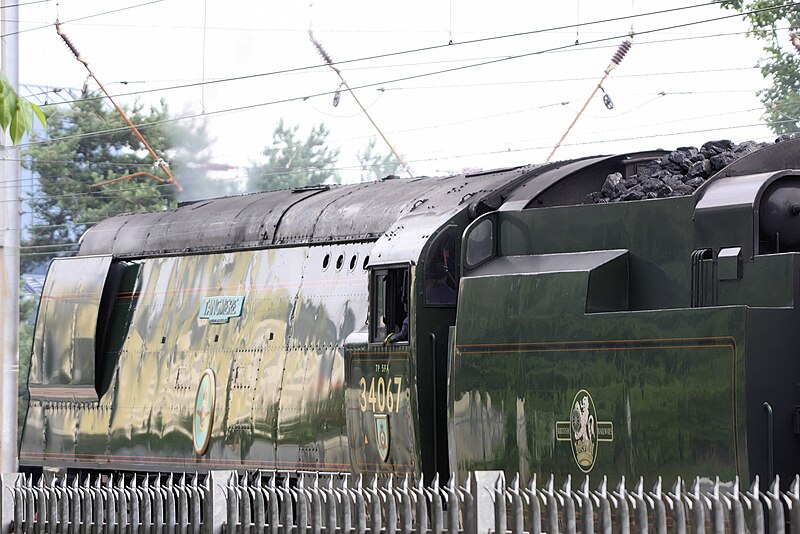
326,261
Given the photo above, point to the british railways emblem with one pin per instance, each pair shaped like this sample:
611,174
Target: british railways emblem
204,412
584,430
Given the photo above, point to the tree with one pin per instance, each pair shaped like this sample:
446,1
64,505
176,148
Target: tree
781,64
82,170
374,165
292,162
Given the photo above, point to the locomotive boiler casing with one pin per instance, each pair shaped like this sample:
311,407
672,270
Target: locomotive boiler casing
213,336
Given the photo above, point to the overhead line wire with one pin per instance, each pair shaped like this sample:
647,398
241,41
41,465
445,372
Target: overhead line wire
413,77
23,4
436,47
83,18
397,65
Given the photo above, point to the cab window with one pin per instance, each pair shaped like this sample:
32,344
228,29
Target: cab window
389,304
480,244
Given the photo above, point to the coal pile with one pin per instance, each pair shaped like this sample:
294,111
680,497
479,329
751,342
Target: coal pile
678,173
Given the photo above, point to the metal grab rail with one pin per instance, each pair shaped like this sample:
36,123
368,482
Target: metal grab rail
313,503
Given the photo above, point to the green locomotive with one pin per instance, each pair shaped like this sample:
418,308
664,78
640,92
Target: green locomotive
487,321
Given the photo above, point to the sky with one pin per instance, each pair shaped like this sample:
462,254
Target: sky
686,80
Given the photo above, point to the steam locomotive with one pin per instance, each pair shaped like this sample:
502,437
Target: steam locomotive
431,325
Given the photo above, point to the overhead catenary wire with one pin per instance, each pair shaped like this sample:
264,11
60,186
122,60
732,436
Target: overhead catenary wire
639,44
19,4
84,17
412,77
468,42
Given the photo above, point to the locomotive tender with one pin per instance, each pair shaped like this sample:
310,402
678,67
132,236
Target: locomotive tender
650,337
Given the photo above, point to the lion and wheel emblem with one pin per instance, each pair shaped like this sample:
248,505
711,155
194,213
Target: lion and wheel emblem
584,431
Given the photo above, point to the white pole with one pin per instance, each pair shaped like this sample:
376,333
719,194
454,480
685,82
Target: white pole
10,229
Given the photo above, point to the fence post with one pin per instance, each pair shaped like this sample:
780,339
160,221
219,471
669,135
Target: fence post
216,503
7,483
483,487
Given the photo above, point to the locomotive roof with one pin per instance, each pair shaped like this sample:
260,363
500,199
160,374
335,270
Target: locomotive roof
321,214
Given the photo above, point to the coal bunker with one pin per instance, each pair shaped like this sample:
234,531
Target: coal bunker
678,173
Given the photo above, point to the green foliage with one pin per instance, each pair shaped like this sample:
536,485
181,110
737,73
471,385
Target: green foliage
74,170
375,166
16,114
782,62
292,162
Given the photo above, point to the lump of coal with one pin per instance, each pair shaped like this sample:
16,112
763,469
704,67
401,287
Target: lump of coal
678,173
613,186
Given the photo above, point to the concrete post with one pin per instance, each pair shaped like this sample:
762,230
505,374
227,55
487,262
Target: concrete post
483,485
9,230
7,483
216,503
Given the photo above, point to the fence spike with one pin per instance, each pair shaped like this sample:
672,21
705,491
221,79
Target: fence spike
678,506
604,502
517,510
587,500
569,505
738,524
659,507
468,500
348,501
776,515
437,509
623,510
451,495
697,504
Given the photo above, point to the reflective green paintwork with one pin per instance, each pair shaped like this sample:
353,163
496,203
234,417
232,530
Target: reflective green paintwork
279,367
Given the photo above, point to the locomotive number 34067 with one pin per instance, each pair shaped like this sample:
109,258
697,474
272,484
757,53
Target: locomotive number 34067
383,394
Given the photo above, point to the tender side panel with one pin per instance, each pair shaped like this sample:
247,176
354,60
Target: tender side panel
665,389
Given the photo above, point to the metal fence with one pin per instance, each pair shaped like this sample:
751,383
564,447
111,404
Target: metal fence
281,503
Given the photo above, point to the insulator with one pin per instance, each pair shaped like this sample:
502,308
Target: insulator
621,51
69,44
336,96
328,59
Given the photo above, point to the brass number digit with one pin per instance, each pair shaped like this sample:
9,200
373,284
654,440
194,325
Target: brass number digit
389,396
381,394
363,397
398,380
372,393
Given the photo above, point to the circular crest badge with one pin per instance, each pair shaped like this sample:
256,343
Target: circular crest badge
584,430
204,412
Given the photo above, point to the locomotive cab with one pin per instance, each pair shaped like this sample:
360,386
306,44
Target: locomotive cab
397,365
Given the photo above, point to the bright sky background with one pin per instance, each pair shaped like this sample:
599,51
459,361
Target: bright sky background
677,86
